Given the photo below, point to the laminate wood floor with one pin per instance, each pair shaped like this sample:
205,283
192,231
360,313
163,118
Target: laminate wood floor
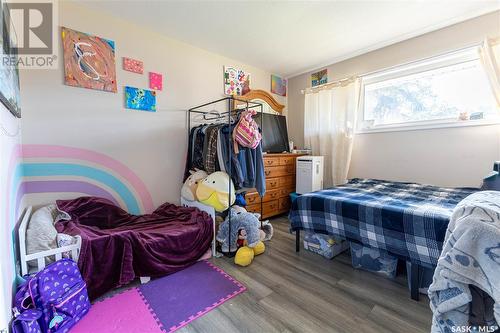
303,292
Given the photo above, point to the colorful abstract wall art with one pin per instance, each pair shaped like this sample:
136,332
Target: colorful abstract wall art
278,85
236,81
89,61
133,65
140,99
155,81
318,78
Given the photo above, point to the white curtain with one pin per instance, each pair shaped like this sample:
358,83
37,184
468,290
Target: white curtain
490,65
329,124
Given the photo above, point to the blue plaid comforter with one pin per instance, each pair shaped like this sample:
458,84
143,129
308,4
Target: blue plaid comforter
406,219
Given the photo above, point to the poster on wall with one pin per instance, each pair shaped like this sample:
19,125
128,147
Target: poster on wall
9,74
318,78
155,81
278,85
133,65
140,99
236,81
89,61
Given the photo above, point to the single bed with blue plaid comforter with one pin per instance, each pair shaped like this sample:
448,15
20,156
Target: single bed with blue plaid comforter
406,219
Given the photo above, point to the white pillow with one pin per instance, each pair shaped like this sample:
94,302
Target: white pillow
65,240
41,234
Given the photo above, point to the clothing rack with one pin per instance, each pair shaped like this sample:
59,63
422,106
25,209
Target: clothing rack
211,115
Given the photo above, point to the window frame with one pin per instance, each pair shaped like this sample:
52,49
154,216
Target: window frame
451,58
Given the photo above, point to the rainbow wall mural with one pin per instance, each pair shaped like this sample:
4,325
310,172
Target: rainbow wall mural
37,168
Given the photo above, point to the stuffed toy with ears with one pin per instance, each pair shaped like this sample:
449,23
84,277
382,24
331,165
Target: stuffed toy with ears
188,190
214,191
245,236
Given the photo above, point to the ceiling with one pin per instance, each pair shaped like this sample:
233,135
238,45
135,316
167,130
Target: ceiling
291,37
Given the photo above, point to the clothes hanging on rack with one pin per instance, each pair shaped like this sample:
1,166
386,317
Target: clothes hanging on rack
209,149
252,168
233,164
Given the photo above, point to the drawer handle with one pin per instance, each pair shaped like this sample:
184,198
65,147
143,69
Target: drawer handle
252,199
268,172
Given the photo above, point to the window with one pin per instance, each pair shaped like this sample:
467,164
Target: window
431,92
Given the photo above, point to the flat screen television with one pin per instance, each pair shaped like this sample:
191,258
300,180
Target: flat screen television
274,133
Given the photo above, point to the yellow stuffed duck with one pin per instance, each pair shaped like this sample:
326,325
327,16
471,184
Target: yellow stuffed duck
213,191
245,236
188,190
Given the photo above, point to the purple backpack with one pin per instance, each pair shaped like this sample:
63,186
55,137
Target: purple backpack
52,300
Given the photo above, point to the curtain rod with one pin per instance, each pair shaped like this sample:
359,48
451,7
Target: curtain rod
493,41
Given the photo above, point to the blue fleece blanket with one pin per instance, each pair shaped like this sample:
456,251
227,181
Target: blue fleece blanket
406,219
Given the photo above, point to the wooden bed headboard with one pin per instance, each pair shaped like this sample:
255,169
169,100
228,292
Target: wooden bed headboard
261,95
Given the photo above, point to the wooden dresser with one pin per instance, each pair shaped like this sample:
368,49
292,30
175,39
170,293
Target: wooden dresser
280,182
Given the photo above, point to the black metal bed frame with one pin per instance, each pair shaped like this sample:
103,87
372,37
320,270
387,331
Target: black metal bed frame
232,110
414,271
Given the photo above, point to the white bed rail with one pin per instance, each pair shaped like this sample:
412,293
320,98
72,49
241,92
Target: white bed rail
210,211
73,250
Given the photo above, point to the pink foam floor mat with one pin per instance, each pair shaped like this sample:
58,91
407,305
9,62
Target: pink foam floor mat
162,305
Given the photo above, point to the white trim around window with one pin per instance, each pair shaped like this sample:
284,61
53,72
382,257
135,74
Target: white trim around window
464,56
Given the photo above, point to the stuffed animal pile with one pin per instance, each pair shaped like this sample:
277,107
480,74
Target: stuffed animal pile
246,236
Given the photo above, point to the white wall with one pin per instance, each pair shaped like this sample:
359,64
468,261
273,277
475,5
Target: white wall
448,157
153,145
10,137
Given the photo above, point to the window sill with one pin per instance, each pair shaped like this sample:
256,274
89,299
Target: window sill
427,126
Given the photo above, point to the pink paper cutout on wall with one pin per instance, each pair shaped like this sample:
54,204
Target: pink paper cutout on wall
133,65
155,81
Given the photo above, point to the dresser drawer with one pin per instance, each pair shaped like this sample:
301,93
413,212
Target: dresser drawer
252,198
287,160
271,161
253,208
279,171
271,195
287,181
284,204
270,208
272,183
285,191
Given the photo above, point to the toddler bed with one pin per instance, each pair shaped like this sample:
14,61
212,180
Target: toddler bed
116,247
407,220
35,261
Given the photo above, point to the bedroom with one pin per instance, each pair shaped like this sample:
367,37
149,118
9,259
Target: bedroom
105,125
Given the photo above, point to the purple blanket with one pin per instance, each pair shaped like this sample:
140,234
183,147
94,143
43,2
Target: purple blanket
117,247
